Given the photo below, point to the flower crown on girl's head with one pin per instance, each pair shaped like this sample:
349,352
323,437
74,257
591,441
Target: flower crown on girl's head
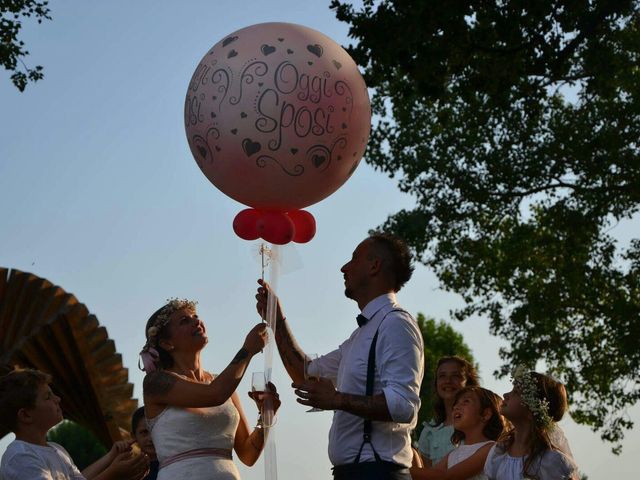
526,383
149,354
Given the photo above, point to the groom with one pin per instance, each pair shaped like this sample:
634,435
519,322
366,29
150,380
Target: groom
372,380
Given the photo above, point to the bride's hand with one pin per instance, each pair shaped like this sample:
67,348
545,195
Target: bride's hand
269,395
256,339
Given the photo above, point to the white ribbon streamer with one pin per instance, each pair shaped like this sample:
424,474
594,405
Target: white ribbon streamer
268,415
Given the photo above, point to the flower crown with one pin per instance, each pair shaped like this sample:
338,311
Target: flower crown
163,316
149,355
526,383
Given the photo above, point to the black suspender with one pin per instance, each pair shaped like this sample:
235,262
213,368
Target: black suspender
371,370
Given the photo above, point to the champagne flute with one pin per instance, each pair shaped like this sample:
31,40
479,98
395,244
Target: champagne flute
259,389
258,384
307,361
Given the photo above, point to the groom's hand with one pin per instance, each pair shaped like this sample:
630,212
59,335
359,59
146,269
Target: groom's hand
318,393
262,297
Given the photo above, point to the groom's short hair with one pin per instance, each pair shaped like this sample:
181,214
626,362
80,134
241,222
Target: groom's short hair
395,253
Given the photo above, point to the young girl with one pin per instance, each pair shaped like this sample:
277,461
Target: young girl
452,374
477,422
527,451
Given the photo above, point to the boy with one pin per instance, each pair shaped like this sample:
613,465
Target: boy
142,436
29,409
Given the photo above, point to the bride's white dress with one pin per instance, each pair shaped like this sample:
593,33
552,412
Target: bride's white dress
177,430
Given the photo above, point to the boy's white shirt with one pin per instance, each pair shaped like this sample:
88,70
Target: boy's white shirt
28,461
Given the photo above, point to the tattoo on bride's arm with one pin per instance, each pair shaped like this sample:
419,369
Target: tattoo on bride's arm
158,383
241,355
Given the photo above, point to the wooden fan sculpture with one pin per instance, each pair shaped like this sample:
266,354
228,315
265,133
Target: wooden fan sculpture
44,327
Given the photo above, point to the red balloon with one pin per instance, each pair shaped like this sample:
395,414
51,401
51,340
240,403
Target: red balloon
275,227
246,224
305,225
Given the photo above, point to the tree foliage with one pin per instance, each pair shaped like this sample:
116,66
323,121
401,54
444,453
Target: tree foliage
81,444
12,50
515,126
440,340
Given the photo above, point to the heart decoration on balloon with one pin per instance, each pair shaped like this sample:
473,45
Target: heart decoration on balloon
277,117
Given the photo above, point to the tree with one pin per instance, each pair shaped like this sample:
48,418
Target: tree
440,340
515,127
81,444
13,50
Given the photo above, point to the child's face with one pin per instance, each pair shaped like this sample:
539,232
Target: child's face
47,412
467,412
450,379
142,436
512,406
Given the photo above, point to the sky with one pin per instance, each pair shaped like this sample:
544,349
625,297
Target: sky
99,194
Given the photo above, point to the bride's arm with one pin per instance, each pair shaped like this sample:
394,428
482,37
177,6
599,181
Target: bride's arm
248,443
165,388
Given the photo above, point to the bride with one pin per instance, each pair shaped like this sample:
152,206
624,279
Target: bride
196,418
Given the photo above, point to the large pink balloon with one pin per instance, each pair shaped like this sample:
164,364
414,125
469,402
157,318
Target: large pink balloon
277,116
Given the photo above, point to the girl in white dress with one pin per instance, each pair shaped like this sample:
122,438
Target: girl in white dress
527,450
196,420
478,423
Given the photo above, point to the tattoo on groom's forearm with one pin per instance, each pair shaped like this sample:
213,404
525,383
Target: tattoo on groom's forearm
241,355
374,407
359,403
287,346
292,351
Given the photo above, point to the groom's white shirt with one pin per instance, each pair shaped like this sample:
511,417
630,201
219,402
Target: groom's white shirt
399,371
